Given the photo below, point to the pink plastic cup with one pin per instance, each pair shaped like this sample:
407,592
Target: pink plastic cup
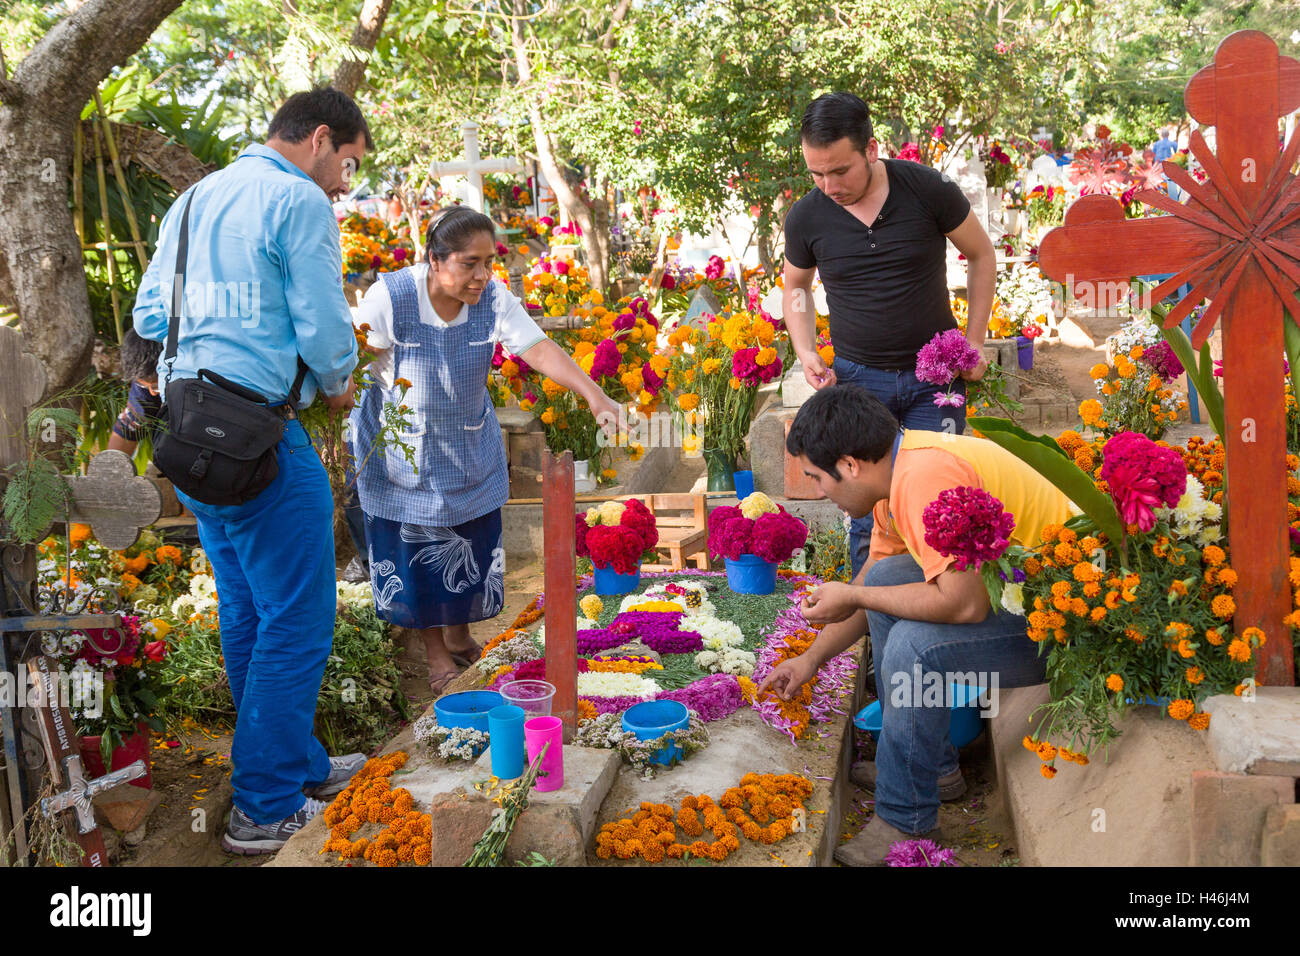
538,732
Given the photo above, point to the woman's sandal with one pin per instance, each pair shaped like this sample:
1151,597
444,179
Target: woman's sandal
467,658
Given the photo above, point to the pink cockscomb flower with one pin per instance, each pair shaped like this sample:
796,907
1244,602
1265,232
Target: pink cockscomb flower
1160,358
607,359
1142,476
968,524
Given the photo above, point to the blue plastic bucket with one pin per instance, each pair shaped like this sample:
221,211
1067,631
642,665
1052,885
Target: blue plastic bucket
468,709
748,574
963,722
653,719
609,581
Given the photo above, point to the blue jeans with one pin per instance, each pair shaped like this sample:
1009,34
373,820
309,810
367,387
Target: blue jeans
273,560
914,750
911,401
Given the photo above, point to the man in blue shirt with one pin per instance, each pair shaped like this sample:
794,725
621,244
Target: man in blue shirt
1164,147
263,286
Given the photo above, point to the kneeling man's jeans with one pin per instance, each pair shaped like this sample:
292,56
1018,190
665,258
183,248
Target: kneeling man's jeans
914,750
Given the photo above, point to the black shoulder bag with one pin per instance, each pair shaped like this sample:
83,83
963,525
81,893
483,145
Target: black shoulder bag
219,444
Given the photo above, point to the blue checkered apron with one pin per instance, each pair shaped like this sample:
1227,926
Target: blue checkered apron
462,472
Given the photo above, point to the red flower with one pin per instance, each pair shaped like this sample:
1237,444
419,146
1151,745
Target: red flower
776,537
155,650
667,282
1141,476
617,547
637,517
580,530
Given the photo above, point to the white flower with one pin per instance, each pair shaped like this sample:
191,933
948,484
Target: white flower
1013,598
718,634
356,595
604,684
49,644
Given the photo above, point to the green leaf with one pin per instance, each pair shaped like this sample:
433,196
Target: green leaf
1056,468
1199,369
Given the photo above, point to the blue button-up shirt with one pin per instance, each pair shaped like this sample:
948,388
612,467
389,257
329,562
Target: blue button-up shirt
263,285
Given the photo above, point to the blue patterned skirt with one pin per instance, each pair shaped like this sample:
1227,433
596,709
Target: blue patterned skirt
424,576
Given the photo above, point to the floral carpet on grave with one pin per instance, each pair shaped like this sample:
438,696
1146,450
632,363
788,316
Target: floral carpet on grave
685,636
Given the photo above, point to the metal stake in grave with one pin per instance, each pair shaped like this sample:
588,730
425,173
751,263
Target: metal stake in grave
63,750
1237,241
561,596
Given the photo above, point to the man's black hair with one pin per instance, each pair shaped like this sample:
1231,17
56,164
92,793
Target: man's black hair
139,357
301,113
838,421
833,117
451,230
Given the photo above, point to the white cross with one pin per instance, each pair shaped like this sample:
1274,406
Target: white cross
473,168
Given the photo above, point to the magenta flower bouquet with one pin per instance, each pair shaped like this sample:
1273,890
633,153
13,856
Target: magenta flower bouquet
773,536
970,525
945,358
1142,476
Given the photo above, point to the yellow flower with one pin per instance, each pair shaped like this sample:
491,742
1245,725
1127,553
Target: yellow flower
1223,606
757,504
1181,709
688,402
710,366
548,417
1100,370
636,452
1239,651
765,357
525,406
591,607
552,388
1115,683
608,474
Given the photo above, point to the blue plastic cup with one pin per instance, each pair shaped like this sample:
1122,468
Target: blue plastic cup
744,484
506,741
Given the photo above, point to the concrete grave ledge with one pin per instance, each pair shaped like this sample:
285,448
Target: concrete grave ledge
1260,736
1168,796
1144,792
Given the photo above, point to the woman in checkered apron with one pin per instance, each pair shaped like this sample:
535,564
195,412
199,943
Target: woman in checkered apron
433,532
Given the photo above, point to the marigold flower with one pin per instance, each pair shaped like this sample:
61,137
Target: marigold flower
1200,721
1239,651
1047,771
1194,675
1046,751
1115,683
1213,555
1223,606
1181,709
1253,636
1185,649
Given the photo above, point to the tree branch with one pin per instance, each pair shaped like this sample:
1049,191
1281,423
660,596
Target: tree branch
365,35
69,62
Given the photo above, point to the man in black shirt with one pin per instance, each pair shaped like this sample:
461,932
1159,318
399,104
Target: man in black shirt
876,230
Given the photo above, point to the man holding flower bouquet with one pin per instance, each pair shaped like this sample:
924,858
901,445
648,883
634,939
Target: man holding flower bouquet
943,505
877,231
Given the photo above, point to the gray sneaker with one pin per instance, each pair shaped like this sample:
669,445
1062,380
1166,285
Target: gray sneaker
249,839
342,770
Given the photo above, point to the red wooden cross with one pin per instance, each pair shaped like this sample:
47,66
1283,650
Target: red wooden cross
1237,241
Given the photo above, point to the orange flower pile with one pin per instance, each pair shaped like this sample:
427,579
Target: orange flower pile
651,832
795,709
525,619
407,836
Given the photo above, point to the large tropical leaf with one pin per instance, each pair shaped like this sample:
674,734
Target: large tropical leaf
1052,463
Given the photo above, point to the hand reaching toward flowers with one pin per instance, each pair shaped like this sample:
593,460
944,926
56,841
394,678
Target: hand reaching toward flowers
830,603
816,372
786,678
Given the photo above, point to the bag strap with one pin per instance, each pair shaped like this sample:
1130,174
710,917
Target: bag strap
178,290
178,300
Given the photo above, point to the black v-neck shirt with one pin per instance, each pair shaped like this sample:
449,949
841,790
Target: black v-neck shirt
886,284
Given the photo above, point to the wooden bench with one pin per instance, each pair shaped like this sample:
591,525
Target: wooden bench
682,523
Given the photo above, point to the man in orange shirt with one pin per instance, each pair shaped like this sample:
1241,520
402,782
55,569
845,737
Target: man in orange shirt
929,623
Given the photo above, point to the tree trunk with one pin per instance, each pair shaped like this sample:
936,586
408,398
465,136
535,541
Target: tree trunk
41,105
364,35
570,200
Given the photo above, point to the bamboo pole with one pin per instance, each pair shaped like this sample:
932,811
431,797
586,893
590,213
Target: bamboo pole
106,225
78,194
129,209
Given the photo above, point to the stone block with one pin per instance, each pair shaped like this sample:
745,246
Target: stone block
1260,735
1280,845
1228,815
1055,416
588,775
795,389
125,807
767,451
459,821
797,484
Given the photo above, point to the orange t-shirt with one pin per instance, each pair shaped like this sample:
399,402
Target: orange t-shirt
919,475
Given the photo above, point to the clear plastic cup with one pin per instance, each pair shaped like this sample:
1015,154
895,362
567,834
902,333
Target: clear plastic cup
534,696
